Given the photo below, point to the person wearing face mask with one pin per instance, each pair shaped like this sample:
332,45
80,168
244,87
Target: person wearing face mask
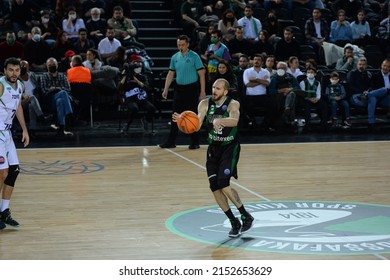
10,48
312,99
282,90
36,51
96,26
72,24
133,88
55,89
216,52
48,28
227,25
62,6
336,95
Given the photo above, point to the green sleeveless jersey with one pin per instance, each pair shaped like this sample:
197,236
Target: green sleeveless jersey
224,136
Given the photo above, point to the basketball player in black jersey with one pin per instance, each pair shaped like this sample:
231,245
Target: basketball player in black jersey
222,114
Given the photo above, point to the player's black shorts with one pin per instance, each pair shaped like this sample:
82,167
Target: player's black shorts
221,164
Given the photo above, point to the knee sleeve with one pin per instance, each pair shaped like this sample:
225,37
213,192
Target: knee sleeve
213,182
13,172
218,183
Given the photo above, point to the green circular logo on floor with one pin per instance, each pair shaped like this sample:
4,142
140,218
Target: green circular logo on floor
294,227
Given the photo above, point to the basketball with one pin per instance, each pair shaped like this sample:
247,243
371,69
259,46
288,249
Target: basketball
188,122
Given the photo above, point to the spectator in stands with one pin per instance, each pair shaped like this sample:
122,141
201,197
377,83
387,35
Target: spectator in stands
125,4
79,75
316,30
384,34
72,24
61,45
251,25
216,52
92,61
36,51
30,101
96,26
278,4
123,26
62,8
340,30
350,6
271,25
336,94
49,28
293,67
108,45
239,45
64,64
83,44
190,12
348,62
238,7
282,90
134,87
21,15
310,62
361,32
238,71
55,88
270,65
224,71
262,45
312,87
118,59
5,21
206,40
88,5
10,48
379,93
227,24
287,46
256,79
308,4
359,83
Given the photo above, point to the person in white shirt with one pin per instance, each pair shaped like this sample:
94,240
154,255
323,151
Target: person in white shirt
256,79
312,87
251,25
108,45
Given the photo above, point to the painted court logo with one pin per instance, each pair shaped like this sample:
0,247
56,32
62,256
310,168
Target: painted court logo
294,227
59,167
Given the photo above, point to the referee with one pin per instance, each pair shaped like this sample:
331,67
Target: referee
190,74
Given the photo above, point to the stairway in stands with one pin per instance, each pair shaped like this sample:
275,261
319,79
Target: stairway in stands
158,32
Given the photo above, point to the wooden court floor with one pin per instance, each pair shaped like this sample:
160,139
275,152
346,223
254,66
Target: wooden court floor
113,203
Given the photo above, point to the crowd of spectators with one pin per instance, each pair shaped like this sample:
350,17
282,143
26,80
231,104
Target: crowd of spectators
56,40
291,59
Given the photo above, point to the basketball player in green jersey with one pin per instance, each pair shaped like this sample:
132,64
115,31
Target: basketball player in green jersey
222,114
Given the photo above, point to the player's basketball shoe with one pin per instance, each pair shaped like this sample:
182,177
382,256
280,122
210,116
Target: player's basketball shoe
7,219
2,225
236,226
247,223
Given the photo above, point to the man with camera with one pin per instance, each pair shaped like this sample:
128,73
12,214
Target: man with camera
133,89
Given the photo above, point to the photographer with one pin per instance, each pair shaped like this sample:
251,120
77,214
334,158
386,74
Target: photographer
133,89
